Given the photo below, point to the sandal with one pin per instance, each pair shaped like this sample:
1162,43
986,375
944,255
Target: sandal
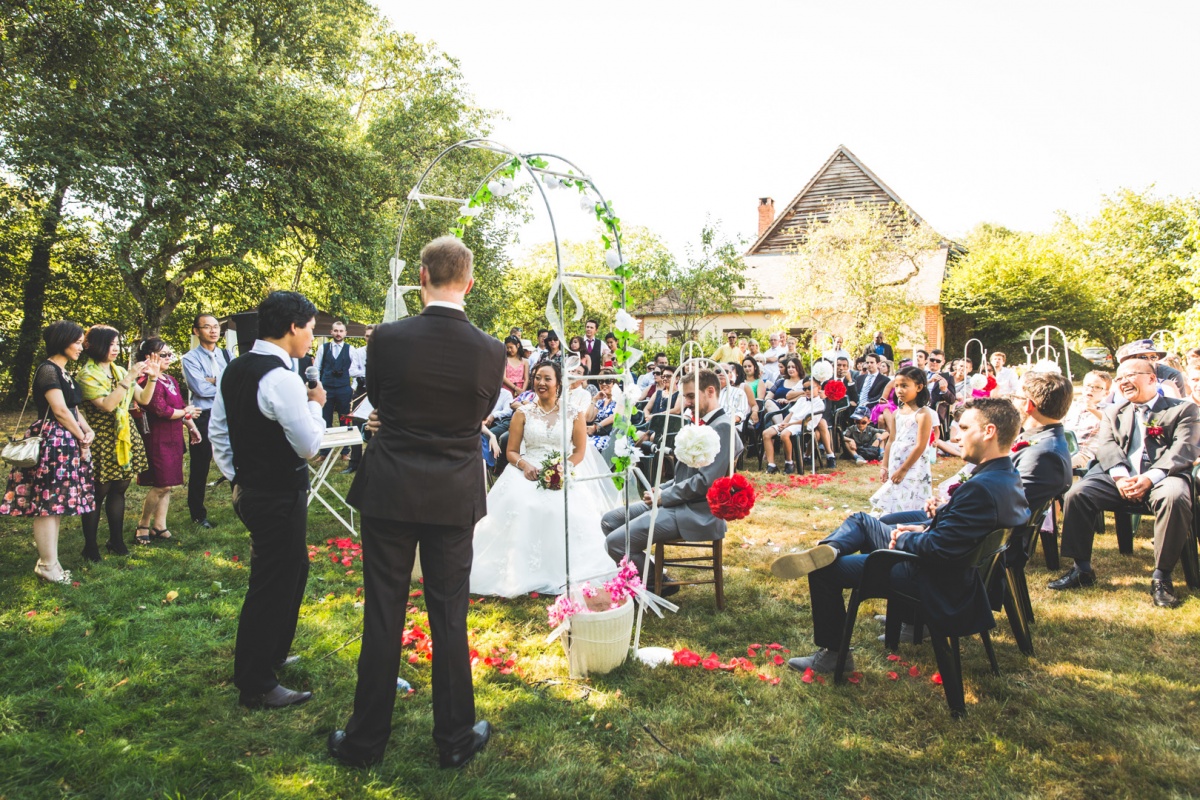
164,533
64,580
139,538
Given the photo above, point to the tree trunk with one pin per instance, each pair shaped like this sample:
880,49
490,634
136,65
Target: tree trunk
34,303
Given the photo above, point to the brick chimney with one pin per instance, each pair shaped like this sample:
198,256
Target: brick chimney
766,214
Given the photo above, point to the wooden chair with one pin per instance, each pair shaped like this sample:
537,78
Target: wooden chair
712,561
876,582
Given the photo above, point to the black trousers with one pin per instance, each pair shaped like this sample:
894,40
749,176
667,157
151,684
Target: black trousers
389,549
1170,501
278,523
200,458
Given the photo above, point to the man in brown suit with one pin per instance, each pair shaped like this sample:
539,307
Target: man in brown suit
432,379
1144,451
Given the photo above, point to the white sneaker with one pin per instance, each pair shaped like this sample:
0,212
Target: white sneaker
859,460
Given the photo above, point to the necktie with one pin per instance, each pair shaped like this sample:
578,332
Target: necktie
1137,439
212,356
867,385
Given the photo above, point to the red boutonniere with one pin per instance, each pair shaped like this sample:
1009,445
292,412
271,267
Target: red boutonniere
1153,429
1019,446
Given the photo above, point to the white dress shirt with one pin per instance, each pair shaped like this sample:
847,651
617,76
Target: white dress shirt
1007,383
282,397
358,362
503,407
770,370
336,350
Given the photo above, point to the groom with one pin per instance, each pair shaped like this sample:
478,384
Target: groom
683,511
431,378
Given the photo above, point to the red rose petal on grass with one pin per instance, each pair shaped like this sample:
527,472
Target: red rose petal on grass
778,660
893,676
75,584
775,646
30,613
855,677
207,554
534,595
774,681
233,558
762,677
414,658
712,662
750,651
821,679
358,591
937,678
808,676
420,580
893,657
417,593
914,671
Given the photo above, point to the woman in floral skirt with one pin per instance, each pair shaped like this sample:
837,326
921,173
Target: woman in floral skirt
60,484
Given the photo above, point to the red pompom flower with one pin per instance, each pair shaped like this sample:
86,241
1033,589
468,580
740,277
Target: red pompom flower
731,498
834,390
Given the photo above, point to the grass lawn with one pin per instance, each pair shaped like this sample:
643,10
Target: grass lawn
110,691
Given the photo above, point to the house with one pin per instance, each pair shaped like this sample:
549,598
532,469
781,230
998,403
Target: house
841,179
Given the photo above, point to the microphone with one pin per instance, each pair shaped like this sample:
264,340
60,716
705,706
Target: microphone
312,376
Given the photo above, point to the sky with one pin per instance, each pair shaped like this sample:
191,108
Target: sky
971,112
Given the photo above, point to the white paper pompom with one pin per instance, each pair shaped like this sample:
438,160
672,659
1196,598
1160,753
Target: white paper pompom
697,445
625,322
587,204
495,188
978,381
822,371
612,258
1046,365
621,447
550,182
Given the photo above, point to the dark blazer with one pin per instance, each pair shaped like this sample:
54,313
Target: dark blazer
1173,452
936,395
1045,465
595,353
686,495
433,378
952,592
877,388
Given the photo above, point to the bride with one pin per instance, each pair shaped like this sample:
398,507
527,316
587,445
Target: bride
519,545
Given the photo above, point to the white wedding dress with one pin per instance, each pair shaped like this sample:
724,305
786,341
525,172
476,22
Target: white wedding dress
520,546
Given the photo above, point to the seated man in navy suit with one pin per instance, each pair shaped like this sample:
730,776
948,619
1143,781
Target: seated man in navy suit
952,593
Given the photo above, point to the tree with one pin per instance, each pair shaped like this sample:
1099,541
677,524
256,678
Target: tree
858,267
1135,253
690,296
1009,284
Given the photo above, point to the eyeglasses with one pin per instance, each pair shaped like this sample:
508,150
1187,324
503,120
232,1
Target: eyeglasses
936,360
1128,376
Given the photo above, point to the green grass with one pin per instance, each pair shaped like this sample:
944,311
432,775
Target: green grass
110,692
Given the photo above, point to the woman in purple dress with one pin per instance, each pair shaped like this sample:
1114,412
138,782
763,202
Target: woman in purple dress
164,417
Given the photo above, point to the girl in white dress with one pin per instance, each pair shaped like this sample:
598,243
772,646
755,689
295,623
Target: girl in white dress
520,545
907,477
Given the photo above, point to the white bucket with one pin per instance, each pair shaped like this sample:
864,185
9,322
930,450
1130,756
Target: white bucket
598,642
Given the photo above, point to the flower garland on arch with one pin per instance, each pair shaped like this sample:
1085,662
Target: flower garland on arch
501,185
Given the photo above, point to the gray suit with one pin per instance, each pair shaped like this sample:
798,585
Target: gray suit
1170,500
683,511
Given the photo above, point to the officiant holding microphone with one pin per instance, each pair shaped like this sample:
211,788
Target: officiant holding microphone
431,379
265,426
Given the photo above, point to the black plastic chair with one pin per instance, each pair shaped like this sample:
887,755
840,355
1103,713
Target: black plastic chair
877,574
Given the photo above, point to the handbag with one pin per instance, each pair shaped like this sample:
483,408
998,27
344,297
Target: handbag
24,452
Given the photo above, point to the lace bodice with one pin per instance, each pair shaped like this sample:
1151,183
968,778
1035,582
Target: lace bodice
544,431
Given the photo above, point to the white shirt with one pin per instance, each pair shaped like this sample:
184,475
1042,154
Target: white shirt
1007,382
770,369
536,355
803,407
358,362
734,402
503,405
282,397
336,350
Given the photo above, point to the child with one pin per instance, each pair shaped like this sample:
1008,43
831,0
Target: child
863,441
805,414
908,479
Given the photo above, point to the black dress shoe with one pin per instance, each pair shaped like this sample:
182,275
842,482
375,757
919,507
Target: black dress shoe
203,523
279,697
117,548
1075,579
1163,594
457,758
336,746
349,470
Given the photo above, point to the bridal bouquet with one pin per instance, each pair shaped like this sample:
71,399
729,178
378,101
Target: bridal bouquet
697,445
551,471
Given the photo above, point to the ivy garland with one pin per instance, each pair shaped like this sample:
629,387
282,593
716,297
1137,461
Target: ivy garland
502,186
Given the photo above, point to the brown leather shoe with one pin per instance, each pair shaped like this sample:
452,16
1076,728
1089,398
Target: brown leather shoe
279,697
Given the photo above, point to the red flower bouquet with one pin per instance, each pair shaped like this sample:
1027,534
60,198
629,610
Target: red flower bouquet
731,498
834,390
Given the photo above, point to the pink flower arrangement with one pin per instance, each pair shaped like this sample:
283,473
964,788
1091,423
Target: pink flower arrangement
623,586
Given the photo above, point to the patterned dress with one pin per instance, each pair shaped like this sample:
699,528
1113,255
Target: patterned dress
604,410
164,443
61,482
910,493
118,453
